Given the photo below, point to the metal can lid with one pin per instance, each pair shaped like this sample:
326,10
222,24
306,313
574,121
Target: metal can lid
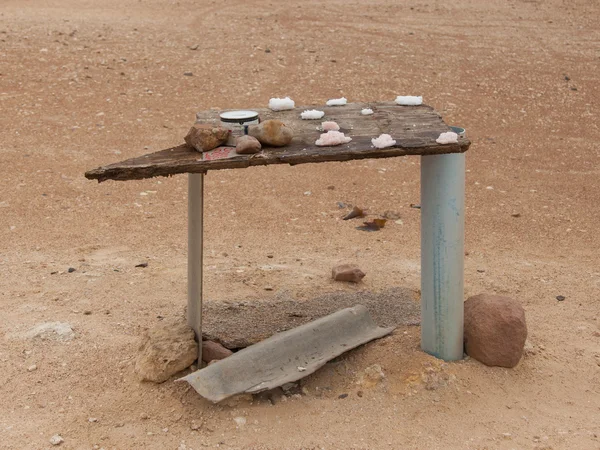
238,116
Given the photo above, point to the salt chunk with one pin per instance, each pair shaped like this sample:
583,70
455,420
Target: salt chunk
450,137
241,421
383,141
330,126
332,138
281,104
366,112
312,114
409,100
337,101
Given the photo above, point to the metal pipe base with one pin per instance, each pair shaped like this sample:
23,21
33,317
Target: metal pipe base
195,243
442,255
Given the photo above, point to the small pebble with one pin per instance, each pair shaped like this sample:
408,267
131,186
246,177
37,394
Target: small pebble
560,298
92,420
32,368
343,396
71,270
188,74
347,272
56,439
87,312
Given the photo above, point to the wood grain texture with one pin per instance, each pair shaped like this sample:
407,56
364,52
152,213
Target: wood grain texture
415,129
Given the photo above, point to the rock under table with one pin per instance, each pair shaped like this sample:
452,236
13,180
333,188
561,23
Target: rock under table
415,129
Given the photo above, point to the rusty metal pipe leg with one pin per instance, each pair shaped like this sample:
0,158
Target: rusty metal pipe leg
195,242
442,254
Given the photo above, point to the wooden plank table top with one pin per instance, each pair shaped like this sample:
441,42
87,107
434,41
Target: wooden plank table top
415,129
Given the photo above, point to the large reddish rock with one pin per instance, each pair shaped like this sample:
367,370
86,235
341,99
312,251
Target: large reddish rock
495,330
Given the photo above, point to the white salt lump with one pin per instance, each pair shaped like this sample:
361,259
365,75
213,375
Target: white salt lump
383,141
312,114
330,126
332,138
450,137
409,100
281,104
337,101
366,112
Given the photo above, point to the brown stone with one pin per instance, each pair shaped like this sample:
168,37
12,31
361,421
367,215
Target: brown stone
205,137
213,351
495,330
166,349
245,145
347,272
272,132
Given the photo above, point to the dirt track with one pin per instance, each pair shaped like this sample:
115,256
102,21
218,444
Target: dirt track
84,83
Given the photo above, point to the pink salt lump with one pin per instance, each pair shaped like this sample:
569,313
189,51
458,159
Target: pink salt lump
330,126
332,138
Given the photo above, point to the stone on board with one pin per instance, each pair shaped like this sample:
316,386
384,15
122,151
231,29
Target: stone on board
272,132
205,137
247,145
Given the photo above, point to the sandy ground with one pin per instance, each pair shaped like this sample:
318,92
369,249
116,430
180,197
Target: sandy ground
85,83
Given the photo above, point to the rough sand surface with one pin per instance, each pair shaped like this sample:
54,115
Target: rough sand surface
85,83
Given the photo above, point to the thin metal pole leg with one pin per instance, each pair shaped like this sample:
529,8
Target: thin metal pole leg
195,224
442,254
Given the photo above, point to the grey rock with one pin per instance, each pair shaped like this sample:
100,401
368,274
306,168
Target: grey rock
51,331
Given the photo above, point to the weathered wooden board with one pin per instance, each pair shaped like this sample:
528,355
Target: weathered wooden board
415,129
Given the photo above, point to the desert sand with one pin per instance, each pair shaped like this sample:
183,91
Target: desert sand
85,83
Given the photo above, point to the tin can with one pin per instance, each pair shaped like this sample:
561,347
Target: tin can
459,130
237,122
233,120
